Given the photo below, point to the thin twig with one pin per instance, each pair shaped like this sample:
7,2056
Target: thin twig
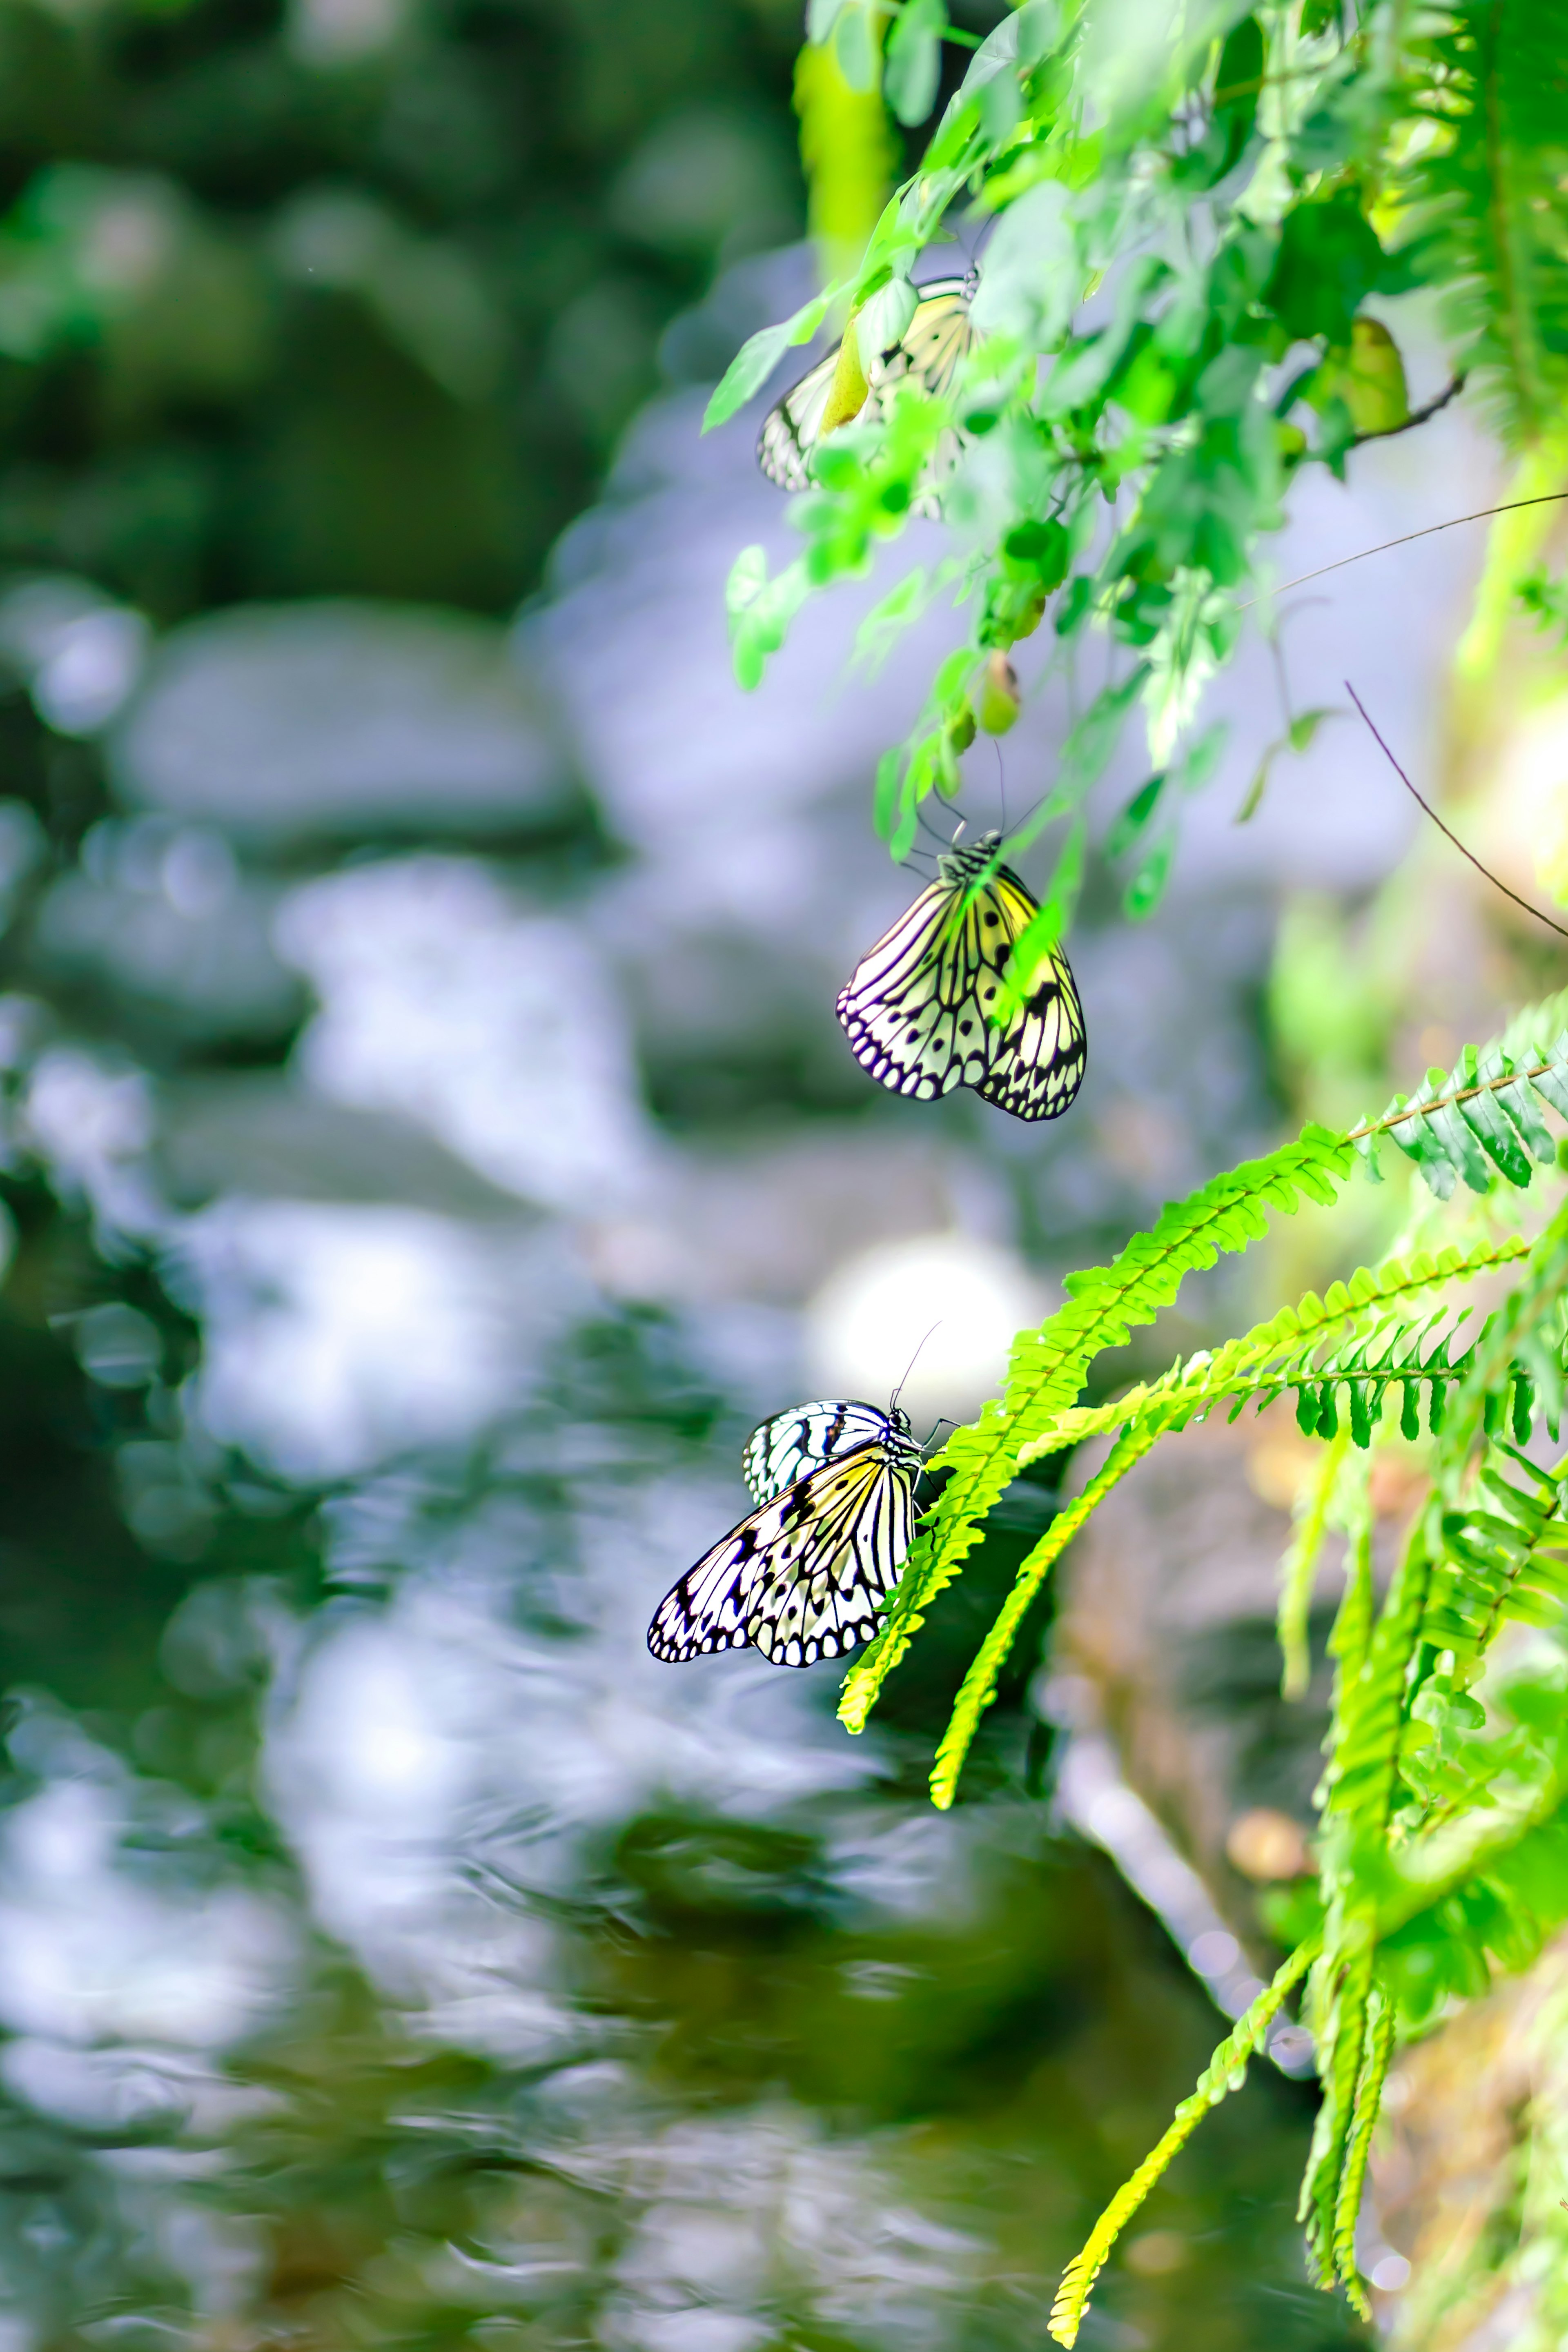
1510,505
1452,835
1417,416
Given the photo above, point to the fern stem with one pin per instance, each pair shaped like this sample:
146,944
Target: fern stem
1225,2073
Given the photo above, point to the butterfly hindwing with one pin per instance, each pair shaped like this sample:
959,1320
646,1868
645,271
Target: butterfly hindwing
918,1008
929,352
801,1579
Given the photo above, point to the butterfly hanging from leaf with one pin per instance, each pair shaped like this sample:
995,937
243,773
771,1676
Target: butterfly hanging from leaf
933,1005
848,384
803,1576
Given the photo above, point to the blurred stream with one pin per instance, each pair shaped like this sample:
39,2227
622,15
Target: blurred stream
429,1147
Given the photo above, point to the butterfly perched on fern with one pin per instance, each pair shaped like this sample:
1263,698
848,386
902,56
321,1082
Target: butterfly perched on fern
839,389
927,1008
802,1578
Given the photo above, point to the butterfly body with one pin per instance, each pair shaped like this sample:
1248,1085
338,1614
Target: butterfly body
929,352
802,1577
921,1009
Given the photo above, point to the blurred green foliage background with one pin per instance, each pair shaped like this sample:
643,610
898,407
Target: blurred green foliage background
354,296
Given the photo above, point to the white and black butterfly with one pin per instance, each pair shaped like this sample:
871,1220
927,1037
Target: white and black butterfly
802,1578
915,1011
929,351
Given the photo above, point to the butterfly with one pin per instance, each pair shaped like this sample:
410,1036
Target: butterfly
802,1577
937,338
916,1006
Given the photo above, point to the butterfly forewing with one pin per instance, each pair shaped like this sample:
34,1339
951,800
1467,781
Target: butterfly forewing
929,352
801,1579
793,1443
793,426
920,1009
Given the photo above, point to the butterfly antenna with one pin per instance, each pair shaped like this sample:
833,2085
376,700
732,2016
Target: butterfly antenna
1475,861
926,826
1001,778
908,1368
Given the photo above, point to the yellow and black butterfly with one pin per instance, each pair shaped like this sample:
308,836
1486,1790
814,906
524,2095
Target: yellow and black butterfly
838,389
802,1578
916,1009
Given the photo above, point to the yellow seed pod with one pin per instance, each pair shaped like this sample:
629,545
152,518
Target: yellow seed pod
999,696
847,393
1369,378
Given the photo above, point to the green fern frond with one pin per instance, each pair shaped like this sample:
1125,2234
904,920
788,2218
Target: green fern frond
1500,1566
1352,1337
1350,1639
1342,2055
1365,1741
1105,1304
1225,2071
1491,216
1479,1120
1377,2053
1356,1333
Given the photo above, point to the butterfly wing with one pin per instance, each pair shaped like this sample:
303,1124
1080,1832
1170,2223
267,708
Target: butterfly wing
936,342
916,1009
930,349
1037,1061
785,1449
793,426
801,1579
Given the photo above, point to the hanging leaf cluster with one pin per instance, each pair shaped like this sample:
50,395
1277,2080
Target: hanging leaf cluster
1190,218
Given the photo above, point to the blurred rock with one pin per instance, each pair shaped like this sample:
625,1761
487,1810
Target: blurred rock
307,719
79,653
772,1219
160,914
262,1131
496,1028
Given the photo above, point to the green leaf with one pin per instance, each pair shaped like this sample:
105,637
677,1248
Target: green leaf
756,360
1147,888
1133,820
853,45
913,71
1329,261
